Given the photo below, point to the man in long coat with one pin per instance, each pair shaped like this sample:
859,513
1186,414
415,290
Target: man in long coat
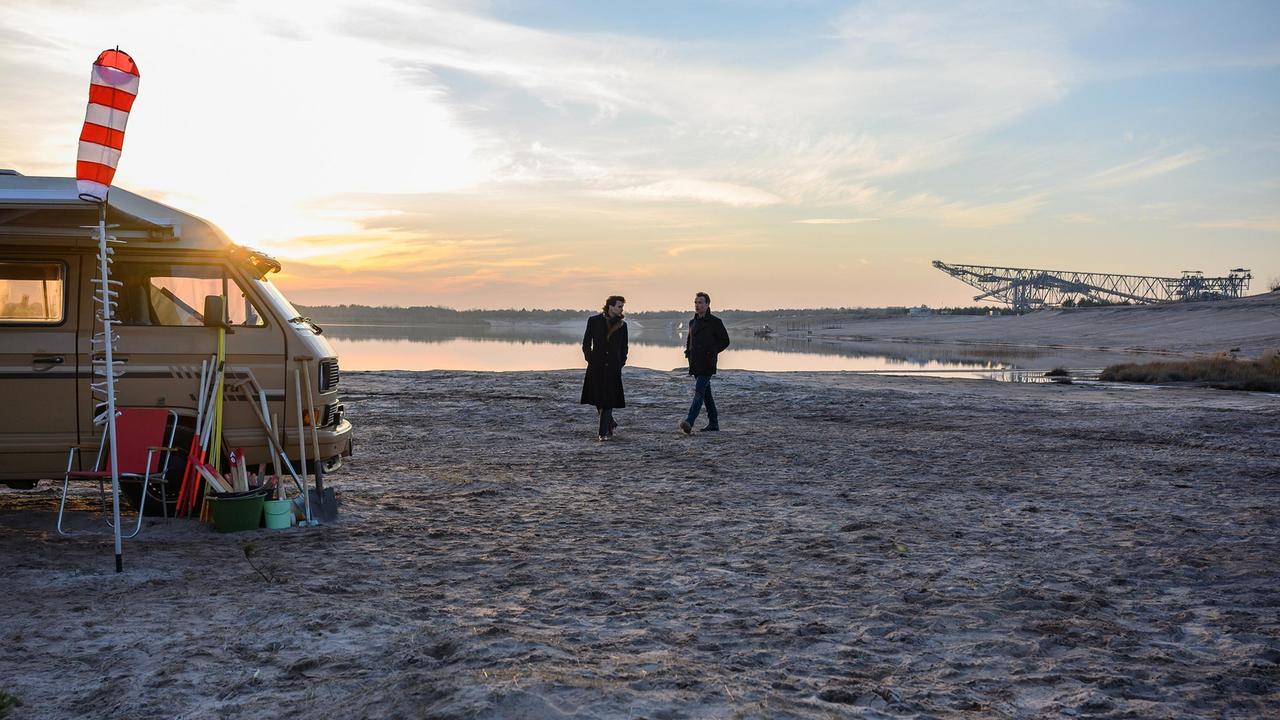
604,346
707,338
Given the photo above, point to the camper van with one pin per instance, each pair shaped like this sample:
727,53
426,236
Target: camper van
168,265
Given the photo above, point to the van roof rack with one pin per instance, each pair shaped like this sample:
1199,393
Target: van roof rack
36,207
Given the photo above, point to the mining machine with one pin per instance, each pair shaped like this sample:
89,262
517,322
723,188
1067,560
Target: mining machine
1026,289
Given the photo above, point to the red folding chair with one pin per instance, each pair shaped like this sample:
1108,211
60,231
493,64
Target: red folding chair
144,446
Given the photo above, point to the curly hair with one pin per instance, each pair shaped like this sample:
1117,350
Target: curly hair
613,299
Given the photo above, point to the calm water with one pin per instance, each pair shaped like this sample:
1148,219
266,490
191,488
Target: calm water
541,348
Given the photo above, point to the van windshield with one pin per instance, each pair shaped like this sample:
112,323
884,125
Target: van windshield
173,294
280,303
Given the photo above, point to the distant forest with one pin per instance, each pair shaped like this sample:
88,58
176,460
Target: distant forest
431,315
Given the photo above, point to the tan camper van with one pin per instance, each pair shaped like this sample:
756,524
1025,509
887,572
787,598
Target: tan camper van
167,266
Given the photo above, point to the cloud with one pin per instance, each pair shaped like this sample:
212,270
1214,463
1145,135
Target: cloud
1078,219
436,145
449,96
1145,169
885,92
836,221
697,190
1263,224
700,246
952,213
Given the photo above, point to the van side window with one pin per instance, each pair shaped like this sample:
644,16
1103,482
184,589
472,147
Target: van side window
31,293
173,295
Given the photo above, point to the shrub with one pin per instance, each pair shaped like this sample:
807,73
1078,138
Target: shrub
1219,371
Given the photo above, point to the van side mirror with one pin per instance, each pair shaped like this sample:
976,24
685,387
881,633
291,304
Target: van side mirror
214,313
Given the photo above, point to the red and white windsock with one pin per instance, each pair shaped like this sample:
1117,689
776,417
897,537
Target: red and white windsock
112,89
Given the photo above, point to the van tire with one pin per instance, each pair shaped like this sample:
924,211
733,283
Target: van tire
173,483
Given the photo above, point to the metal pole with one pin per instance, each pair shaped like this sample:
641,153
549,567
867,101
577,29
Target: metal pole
105,289
302,443
315,431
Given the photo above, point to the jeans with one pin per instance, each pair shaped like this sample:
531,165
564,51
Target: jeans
606,421
701,394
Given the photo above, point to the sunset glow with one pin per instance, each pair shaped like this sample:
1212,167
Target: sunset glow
775,154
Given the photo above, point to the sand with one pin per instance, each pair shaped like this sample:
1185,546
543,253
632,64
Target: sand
848,546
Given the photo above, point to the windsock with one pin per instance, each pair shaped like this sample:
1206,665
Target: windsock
112,89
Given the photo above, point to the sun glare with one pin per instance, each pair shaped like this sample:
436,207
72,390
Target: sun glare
255,126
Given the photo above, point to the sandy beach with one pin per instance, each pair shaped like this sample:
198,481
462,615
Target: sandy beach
848,546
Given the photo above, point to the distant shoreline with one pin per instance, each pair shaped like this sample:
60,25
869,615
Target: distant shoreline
1246,326
430,315
435,315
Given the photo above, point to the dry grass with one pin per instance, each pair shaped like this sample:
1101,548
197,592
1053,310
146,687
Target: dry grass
1220,371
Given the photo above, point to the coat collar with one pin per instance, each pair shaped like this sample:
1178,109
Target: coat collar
702,319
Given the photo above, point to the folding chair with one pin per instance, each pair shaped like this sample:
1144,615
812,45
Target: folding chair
143,450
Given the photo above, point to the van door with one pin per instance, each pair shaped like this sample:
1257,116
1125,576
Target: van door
37,363
163,339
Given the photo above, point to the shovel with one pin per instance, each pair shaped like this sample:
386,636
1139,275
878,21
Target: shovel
324,501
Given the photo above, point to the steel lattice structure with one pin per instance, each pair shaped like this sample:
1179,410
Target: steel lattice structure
1027,289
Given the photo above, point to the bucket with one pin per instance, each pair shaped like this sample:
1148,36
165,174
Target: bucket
239,512
279,513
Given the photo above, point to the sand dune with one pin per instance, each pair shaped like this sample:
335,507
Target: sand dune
1248,325
849,546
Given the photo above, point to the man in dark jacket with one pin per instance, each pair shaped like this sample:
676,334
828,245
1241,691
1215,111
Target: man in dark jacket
706,339
604,346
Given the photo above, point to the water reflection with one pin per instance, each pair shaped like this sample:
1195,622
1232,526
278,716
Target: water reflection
553,347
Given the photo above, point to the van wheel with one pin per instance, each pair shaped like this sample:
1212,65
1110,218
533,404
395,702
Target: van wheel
155,498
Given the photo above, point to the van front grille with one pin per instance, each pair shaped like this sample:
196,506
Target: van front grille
328,374
333,413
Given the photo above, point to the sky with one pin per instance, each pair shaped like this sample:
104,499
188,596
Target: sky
539,154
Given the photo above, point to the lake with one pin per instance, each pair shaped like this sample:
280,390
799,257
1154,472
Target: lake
540,347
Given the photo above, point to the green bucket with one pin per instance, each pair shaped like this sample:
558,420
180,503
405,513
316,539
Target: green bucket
238,512
279,513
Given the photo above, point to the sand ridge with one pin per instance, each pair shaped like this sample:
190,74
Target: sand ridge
1248,326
